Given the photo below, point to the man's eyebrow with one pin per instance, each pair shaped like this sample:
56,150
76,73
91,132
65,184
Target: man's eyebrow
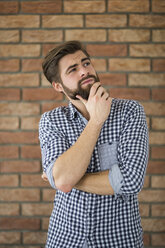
72,66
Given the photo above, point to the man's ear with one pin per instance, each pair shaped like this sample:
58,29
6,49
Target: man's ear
57,86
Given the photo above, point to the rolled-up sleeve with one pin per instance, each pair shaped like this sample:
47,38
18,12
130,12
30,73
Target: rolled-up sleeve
52,143
133,151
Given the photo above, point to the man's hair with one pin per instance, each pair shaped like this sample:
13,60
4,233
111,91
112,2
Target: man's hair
51,61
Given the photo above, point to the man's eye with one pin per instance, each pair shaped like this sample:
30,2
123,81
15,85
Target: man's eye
72,70
87,63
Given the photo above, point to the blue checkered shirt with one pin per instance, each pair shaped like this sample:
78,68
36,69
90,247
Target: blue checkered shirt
80,219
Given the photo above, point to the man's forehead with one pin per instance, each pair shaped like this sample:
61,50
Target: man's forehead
72,58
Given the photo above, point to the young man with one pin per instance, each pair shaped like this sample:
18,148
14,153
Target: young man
94,153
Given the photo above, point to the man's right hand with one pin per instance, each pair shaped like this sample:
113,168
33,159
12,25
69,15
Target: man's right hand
98,104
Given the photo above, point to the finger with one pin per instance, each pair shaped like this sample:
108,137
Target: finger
105,95
94,88
44,178
81,99
100,91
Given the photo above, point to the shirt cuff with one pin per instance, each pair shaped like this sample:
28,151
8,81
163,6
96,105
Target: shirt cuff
49,173
116,179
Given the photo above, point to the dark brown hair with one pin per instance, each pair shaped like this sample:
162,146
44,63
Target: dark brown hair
51,61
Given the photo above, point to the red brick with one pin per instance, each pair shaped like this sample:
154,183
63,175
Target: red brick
9,123
45,7
11,209
144,210
48,195
156,167
37,209
42,36
41,94
157,138
85,35
10,238
45,223
47,47
9,65
19,137
19,50
127,64
153,225
152,196
9,36
99,64
65,21
107,50
158,123
146,239
147,21
33,181
130,93
158,152
158,239
112,79
8,180
158,6
129,35
158,94
158,65
89,6
9,152
158,35
158,182
19,223
30,152
51,105
158,210
9,7
154,108
20,79
30,123
149,50
19,21
10,94
128,6
146,182
106,21
29,65
34,237
31,246
19,109
146,79
20,195
19,166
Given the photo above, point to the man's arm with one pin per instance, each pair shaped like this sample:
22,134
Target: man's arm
71,166
129,178
96,183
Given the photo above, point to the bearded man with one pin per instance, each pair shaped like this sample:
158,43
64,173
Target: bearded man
94,153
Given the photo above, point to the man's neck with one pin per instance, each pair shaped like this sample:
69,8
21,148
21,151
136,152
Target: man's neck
81,108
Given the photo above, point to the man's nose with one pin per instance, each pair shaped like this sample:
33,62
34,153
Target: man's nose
83,71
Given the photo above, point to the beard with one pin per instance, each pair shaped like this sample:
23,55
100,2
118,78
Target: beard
84,93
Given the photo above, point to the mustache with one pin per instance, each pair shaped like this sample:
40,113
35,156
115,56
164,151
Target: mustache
85,78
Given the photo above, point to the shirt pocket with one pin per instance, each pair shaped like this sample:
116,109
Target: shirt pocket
107,155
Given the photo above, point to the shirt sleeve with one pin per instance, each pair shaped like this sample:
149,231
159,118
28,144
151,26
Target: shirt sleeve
53,143
133,150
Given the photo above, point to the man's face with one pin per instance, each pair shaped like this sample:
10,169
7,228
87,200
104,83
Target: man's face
77,75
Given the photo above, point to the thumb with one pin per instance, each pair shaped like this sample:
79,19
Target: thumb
81,99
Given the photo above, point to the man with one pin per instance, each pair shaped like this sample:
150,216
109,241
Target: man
94,153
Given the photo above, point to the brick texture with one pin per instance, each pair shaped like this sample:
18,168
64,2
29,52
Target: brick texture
126,41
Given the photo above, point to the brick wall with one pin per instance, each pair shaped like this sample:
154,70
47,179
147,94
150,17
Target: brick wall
126,41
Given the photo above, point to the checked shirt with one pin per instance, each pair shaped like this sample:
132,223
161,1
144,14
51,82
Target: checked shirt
80,219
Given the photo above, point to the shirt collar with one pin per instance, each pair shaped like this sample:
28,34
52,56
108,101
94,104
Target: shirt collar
72,111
